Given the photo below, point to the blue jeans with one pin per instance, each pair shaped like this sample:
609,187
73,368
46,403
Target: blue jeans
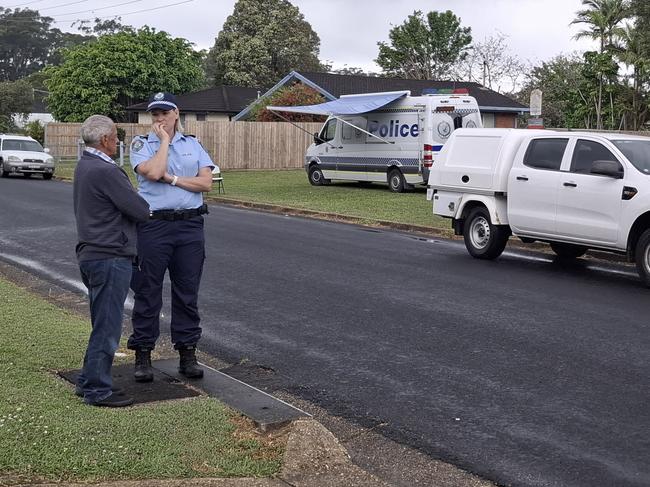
107,281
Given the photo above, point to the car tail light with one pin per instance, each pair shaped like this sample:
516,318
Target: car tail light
427,155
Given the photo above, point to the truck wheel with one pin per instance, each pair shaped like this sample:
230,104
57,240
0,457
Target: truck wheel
396,181
483,239
568,251
47,175
316,177
4,173
642,257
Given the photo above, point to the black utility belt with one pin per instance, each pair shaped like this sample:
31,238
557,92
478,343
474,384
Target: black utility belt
173,215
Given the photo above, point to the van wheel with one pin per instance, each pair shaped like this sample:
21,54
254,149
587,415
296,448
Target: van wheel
396,181
642,257
316,177
3,172
568,251
483,239
47,175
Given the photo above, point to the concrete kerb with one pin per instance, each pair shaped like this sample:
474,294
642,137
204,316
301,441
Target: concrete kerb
313,456
405,227
320,215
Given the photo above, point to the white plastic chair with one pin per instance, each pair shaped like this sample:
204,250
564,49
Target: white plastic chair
218,178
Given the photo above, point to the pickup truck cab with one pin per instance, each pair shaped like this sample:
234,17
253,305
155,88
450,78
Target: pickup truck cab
573,190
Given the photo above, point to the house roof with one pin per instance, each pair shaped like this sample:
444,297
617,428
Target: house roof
222,99
332,86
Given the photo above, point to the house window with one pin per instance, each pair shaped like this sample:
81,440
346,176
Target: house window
200,117
488,120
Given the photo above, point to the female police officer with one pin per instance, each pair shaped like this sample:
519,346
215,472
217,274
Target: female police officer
173,170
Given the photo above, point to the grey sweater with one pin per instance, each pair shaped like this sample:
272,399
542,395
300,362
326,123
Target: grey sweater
107,208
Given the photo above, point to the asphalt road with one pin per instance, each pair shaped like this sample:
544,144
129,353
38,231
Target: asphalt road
522,370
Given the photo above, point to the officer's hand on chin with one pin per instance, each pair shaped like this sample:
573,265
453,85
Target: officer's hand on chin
159,130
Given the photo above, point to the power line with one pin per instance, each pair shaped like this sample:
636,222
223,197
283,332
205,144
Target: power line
71,21
26,3
100,8
127,13
63,5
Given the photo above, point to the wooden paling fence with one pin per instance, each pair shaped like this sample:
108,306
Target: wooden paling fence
232,145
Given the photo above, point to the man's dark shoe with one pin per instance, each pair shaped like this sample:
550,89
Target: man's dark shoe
188,366
80,393
113,401
143,371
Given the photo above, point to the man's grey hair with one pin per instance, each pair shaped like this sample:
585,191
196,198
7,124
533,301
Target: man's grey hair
94,128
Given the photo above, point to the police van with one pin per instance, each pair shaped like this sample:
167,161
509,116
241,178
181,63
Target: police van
389,137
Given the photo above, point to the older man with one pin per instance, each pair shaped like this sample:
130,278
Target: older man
106,208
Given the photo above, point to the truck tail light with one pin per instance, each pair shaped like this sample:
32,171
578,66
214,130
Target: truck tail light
427,155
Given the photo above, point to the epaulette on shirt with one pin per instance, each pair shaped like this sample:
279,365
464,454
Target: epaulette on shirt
195,138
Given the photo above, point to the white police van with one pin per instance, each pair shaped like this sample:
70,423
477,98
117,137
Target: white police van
390,137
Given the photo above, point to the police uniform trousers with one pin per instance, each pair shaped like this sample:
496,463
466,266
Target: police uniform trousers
177,246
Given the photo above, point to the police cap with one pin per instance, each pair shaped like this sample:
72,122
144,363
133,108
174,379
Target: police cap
162,101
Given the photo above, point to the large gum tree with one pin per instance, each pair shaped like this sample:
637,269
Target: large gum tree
261,42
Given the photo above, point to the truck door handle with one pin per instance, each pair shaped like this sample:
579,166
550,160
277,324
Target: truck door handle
522,178
571,185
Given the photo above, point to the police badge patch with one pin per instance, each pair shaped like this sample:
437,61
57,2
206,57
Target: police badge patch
136,145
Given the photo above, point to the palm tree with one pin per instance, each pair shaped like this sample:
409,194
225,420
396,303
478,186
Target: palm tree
601,17
628,49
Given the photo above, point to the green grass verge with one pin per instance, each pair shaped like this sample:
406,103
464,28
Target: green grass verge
290,188
47,433
370,202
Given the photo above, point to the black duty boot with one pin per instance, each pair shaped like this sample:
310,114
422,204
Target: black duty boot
143,371
188,366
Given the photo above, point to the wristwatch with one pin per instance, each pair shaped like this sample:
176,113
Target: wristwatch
174,180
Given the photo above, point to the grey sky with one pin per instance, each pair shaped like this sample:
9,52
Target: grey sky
350,29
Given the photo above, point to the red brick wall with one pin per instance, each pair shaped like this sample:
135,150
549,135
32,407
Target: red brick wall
505,121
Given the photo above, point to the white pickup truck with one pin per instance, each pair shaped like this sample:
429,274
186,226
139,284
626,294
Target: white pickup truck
574,190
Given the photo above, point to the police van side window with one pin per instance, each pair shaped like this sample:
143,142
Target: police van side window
329,130
352,135
545,153
586,153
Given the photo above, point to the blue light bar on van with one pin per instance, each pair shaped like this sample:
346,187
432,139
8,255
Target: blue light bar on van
445,91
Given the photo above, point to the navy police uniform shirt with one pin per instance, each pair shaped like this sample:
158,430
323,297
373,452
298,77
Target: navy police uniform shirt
185,157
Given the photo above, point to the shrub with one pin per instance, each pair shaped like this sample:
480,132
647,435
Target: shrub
296,95
36,130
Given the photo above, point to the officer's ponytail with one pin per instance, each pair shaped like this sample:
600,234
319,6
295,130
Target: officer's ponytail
178,126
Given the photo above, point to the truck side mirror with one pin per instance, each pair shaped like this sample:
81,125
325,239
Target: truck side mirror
316,138
607,168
